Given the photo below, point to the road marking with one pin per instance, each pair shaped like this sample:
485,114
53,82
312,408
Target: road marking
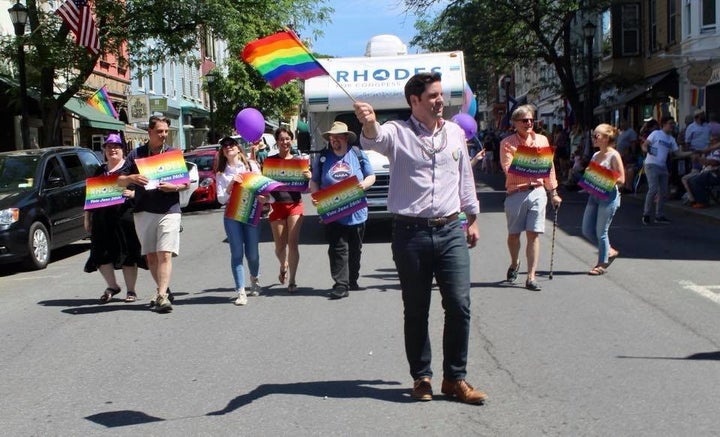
703,290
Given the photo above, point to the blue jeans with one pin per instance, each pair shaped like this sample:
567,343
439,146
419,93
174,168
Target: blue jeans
421,252
596,222
701,183
244,240
657,179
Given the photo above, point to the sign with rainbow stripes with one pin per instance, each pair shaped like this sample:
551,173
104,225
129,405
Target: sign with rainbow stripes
340,200
532,162
599,181
102,191
243,205
167,167
289,172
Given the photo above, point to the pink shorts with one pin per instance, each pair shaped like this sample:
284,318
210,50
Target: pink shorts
283,210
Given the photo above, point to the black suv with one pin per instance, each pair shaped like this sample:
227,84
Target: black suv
42,198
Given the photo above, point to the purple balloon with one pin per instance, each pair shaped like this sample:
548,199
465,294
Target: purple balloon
467,123
250,124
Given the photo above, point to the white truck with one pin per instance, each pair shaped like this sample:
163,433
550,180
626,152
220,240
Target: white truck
378,78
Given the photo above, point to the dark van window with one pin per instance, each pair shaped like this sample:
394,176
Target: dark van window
90,162
74,167
53,174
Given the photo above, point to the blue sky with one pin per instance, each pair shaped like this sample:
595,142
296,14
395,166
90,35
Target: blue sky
356,21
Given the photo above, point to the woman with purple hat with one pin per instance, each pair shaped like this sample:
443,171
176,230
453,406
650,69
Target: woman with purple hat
114,243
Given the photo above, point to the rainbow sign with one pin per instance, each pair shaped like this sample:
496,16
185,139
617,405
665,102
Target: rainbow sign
599,181
289,172
102,191
243,205
340,200
532,162
167,167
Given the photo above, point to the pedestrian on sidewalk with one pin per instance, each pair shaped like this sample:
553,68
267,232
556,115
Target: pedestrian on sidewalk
432,183
604,200
526,201
658,146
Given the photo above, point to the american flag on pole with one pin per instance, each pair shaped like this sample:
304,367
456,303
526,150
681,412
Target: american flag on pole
78,17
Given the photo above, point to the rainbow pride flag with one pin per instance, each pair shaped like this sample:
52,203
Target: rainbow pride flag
532,162
340,200
167,167
101,101
243,205
289,172
599,181
102,191
282,57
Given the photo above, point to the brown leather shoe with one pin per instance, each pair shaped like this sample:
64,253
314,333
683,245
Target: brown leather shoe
422,390
463,391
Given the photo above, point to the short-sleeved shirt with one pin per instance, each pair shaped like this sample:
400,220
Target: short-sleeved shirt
661,144
332,169
153,201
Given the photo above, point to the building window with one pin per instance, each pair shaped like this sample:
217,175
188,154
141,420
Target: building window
151,81
141,84
606,34
652,31
707,16
672,22
630,29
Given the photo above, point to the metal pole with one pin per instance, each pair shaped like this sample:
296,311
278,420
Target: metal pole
590,83
507,97
211,139
24,126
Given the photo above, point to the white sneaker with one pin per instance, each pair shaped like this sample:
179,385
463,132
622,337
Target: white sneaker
242,298
255,288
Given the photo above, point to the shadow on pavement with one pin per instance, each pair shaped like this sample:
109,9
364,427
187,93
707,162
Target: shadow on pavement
58,254
346,389
700,356
114,419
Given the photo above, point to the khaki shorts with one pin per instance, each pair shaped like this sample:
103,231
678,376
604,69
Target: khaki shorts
525,211
158,232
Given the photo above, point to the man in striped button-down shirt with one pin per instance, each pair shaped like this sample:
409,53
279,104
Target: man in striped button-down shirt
431,181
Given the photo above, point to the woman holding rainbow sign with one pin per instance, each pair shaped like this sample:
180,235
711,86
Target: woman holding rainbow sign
242,237
287,208
601,179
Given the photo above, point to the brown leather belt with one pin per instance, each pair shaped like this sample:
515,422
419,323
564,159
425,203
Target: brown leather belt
429,222
524,188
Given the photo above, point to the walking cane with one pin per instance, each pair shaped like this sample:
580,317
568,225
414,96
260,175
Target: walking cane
552,245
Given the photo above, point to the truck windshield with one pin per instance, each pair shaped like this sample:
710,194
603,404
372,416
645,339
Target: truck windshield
17,173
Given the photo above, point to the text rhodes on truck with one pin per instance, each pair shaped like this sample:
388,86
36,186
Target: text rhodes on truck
378,78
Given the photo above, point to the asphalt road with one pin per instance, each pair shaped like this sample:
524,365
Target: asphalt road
634,352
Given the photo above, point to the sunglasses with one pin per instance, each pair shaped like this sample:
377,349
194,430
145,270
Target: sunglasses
525,120
229,144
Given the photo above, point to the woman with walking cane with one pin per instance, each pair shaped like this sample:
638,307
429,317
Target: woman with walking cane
527,160
601,180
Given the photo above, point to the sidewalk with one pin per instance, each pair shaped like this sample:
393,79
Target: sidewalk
496,182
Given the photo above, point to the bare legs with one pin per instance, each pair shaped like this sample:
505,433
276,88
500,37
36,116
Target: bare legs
286,234
160,265
532,251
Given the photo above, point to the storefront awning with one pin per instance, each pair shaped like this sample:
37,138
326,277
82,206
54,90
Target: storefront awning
612,100
91,117
193,108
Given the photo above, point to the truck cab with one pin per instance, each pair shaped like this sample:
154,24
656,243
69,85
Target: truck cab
378,78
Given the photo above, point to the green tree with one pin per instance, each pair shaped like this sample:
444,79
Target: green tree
155,31
496,34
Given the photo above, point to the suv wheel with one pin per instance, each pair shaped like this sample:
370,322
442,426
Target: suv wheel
39,246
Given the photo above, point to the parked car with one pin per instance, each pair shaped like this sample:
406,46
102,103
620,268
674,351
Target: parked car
42,196
185,195
206,192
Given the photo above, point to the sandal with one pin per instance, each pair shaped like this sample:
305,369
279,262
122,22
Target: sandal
131,296
283,274
292,287
612,257
108,294
597,271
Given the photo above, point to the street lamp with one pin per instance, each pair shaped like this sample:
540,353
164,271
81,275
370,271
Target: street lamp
19,17
210,78
507,80
589,32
